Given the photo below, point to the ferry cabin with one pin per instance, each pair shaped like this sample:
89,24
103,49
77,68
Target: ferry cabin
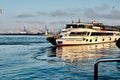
87,33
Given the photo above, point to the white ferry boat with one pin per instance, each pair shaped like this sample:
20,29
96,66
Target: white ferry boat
81,33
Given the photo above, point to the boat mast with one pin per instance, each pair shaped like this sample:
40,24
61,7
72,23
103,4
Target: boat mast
78,20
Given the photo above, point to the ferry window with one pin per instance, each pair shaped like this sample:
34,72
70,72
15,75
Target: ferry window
89,26
102,39
88,33
110,39
101,34
68,26
95,39
71,26
77,33
90,40
74,26
86,39
81,26
110,34
94,34
81,33
72,34
117,34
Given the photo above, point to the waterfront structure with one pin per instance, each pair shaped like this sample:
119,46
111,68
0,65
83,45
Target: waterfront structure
81,33
1,11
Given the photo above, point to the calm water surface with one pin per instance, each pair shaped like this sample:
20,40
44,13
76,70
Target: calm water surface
34,58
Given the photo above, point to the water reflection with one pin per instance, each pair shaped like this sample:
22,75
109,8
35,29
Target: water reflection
83,52
52,51
118,64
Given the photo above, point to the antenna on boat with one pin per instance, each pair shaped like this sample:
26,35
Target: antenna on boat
72,19
78,20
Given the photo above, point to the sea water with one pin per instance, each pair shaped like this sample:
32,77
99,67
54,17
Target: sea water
26,57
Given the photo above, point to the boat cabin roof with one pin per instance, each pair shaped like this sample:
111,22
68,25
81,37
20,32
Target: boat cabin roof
79,25
92,25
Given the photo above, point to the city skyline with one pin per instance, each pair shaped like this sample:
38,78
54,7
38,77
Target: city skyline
36,14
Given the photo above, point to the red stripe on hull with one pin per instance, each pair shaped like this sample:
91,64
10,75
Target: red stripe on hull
59,45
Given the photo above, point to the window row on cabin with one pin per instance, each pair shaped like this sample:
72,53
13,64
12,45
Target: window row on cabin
101,34
78,33
92,34
75,26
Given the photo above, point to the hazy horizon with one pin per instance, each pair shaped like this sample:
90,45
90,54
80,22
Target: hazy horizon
36,14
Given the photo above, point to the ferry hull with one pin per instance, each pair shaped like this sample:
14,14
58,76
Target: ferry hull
81,41
60,45
84,41
52,40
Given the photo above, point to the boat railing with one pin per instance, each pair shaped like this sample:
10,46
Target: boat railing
96,65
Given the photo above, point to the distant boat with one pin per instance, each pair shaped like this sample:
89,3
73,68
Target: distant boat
81,33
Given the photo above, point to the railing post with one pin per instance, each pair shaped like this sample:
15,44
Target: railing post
102,60
105,60
96,71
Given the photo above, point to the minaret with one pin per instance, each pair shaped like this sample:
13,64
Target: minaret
25,30
1,11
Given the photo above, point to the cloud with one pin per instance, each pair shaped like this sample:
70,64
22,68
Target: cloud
115,14
103,7
43,13
98,12
90,13
30,22
57,13
25,16
58,22
60,13
102,14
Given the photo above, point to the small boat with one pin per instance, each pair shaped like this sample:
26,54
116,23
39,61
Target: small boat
81,33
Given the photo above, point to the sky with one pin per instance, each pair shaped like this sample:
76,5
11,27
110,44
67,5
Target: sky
54,14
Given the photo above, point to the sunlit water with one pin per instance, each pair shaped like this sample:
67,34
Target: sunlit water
34,58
